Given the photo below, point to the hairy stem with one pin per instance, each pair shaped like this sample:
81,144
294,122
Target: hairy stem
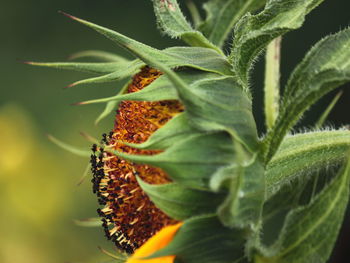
272,77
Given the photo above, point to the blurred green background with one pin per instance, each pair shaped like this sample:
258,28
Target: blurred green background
39,196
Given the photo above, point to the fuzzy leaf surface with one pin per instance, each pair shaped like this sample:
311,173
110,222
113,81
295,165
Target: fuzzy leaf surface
173,23
89,222
172,132
221,104
98,55
310,231
222,15
109,108
187,162
160,89
302,154
254,32
70,148
205,59
194,241
325,67
181,202
243,204
111,105
95,68
220,94
130,68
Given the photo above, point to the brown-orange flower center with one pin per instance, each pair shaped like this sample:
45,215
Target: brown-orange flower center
129,216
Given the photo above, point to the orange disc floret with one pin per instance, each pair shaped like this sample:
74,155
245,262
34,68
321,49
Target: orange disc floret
129,216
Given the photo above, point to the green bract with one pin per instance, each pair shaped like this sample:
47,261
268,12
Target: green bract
230,185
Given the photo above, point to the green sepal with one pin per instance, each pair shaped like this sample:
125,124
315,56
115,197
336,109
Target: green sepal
254,32
117,255
310,231
72,149
173,23
111,105
98,55
95,68
204,239
194,12
181,202
322,119
221,104
222,15
172,132
325,67
205,59
243,205
302,154
129,69
223,96
160,89
186,162
89,222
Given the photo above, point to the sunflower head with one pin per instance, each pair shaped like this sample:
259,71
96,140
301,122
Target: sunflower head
129,217
185,153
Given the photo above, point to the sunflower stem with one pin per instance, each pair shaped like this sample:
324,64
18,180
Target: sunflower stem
272,76
196,17
330,107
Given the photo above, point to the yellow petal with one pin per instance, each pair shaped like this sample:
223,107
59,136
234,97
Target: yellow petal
155,243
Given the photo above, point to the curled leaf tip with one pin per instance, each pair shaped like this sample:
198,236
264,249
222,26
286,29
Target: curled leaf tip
67,15
77,103
69,86
25,62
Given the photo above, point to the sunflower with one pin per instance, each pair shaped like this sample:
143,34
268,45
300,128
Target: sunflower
129,217
184,176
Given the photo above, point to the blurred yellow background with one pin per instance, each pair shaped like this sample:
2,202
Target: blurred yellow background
39,196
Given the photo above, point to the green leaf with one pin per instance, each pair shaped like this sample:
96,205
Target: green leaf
173,23
111,105
118,256
129,69
195,14
229,93
243,205
95,68
181,202
309,232
204,239
172,132
69,148
191,161
208,103
99,55
222,15
298,193
89,222
302,154
221,104
328,110
205,59
160,89
325,67
254,32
